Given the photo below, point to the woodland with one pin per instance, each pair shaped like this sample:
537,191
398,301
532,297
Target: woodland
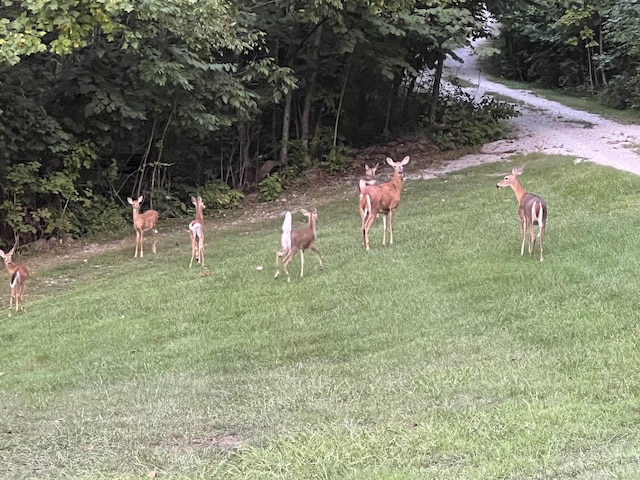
105,99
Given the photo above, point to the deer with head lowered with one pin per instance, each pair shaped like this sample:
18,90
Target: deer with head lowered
143,222
196,230
532,210
18,277
381,198
293,241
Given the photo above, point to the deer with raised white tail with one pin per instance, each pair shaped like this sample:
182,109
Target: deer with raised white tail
18,277
532,210
381,198
196,230
143,222
293,241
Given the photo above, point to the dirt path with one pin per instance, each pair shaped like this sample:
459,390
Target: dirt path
546,126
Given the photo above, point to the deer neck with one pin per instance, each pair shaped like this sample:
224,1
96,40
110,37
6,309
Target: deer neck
397,180
199,215
518,189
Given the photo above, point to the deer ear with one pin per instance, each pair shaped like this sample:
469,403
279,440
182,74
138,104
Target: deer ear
193,200
405,160
517,171
304,212
366,166
140,199
390,161
129,200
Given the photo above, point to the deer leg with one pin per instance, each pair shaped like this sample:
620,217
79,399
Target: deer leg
137,243
391,220
367,226
286,261
541,235
301,263
384,229
524,232
155,239
141,240
532,237
315,249
201,251
193,249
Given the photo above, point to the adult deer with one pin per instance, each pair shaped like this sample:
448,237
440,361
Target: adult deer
196,230
143,222
381,198
18,277
532,210
293,241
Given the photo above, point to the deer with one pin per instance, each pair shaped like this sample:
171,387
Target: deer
18,277
293,241
143,222
532,210
381,198
369,175
196,230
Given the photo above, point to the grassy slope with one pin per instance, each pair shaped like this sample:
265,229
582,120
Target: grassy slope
445,356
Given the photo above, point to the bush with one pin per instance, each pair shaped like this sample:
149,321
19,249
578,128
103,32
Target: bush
462,122
270,188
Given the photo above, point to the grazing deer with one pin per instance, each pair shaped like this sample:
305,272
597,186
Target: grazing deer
196,229
381,198
369,176
531,208
143,222
294,240
18,277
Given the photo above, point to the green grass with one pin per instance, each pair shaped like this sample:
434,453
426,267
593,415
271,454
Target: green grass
445,356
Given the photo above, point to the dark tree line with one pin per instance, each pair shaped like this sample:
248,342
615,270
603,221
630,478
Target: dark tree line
104,99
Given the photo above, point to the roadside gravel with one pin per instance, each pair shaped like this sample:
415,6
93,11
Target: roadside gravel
545,126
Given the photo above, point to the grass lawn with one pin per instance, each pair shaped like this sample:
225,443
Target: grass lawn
444,356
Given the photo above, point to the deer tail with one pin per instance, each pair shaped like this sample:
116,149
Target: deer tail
286,231
15,279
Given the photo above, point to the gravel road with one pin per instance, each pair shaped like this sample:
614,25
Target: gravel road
546,127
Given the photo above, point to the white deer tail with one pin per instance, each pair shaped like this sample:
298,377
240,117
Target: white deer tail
286,232
367,211
15,279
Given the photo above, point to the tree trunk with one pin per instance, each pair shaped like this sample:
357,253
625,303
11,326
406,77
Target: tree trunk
435,91
286,121
305,121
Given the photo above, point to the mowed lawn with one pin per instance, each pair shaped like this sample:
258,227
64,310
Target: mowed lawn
444,356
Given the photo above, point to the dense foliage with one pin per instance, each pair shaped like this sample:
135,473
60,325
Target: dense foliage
103,99
589,47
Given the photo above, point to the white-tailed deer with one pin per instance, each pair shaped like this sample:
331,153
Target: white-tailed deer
143,222
531,208
293,241
381,198
18,277
196,229
369,176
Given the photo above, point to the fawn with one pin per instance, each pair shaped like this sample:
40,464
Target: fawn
143,222
369,176
532,210
196,229
381,198
18,277
294,240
